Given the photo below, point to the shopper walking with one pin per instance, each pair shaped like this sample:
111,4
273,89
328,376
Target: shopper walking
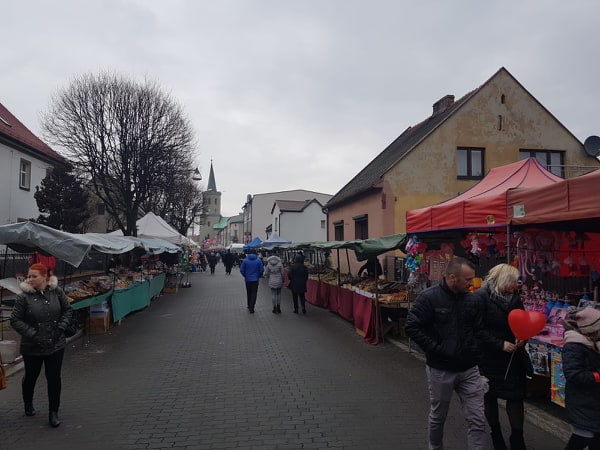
212,262
581,366
444,322
274,271
228,261
298,276
505,363
41,315
252,270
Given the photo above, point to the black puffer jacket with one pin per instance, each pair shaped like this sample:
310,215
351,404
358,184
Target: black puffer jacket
445,325
41,318
582,392
298,276
495,360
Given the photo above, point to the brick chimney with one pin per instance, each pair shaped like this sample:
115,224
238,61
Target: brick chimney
442,104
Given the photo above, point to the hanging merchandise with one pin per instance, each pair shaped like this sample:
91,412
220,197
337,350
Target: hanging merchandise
414,253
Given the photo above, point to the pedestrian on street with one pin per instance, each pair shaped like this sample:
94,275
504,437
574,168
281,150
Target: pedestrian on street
252,270
212,262
581,366
505,362
228,261
274,271
445,321
298,276
41,315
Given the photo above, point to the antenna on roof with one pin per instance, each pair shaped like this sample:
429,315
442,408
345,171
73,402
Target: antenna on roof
592,146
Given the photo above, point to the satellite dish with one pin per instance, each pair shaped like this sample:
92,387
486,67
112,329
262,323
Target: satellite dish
592,146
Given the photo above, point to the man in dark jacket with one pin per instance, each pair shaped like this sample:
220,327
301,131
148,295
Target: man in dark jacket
252,270
445,321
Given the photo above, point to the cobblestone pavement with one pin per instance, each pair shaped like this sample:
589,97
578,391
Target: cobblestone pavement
195,370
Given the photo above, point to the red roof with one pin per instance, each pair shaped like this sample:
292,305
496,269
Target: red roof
484,205
13,129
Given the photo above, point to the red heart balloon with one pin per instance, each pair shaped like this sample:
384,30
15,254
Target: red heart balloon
526,324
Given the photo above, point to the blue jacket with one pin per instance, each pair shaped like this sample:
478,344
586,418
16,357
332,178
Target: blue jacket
252,268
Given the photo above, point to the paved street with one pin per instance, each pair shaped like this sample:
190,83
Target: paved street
195,370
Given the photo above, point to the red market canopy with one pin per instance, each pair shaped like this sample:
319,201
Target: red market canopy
558,204
485,204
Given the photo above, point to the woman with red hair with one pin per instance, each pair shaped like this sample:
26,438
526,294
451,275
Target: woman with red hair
41,315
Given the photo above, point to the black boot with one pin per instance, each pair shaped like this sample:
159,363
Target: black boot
278,309
498,440
53,419
29,409
577,442
274,310
516,441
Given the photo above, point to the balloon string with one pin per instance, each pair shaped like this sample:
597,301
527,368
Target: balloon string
508,367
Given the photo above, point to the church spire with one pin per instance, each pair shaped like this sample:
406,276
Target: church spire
212,186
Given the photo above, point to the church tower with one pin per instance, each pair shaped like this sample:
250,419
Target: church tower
212,207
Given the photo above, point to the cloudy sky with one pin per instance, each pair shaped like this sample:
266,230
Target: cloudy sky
301,94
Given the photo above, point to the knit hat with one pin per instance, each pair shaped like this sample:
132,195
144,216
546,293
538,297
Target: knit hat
588,320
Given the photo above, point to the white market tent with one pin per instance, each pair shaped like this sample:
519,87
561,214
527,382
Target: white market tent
153,226
30,236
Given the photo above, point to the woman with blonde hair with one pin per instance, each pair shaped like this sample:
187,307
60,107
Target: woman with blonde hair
505,362
41,315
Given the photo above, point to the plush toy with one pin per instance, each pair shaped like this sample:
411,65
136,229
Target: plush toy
474,249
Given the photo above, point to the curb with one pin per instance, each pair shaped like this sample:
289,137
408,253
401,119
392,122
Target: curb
534,415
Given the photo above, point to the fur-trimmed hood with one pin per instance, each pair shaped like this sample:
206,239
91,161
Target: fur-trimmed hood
26,287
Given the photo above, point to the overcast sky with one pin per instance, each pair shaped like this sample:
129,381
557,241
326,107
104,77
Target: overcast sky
302,94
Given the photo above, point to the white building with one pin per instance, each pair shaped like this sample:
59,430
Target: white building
299,221
258,207
24,162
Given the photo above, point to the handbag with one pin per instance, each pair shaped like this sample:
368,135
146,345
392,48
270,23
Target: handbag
3,383
73,326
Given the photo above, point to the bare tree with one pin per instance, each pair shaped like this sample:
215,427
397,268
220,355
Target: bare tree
131,139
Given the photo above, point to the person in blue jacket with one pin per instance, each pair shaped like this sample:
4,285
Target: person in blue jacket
252,270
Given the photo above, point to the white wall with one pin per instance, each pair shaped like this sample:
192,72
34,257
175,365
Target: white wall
263,203
302,226
16,203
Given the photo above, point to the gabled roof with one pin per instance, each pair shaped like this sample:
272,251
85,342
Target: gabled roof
371,176
12,130
294,205
236,219
221,223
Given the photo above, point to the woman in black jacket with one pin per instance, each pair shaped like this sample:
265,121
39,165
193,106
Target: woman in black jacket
41,315
581,366
298,275
505,362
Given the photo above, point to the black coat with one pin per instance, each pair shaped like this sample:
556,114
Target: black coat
582,392
298,275
495,360
41,319
445,325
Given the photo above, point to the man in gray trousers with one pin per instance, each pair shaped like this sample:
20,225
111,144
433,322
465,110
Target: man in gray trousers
444,321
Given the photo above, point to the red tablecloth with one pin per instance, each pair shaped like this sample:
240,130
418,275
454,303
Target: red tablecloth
334,298
364,317
311,291
346,304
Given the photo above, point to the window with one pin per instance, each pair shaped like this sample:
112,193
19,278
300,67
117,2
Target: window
551,160
470,163
322,224
25,174
338,230
361,226
276,225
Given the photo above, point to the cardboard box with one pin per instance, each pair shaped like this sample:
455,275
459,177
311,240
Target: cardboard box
99,308
98,324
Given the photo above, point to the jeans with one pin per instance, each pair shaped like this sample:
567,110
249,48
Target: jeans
469,387
251,293
295,296
276,297
52,367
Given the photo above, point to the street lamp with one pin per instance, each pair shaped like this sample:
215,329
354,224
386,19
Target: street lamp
196,176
